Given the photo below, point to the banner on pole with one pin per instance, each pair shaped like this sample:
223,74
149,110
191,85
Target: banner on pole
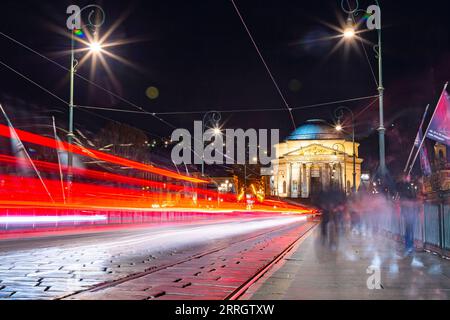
424,160
439,128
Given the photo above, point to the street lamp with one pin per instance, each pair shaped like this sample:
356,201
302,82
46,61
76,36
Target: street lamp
339,113
217,131
211,117
350,33
95,48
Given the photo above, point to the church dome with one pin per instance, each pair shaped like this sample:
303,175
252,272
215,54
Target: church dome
316,129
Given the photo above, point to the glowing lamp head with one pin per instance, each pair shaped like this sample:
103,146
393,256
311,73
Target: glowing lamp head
339,127
349,31
95,47
217,131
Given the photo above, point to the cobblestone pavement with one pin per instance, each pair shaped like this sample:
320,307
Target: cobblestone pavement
54,267
211,277
317,271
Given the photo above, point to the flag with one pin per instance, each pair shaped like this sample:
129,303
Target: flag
424,160
418,139
439,127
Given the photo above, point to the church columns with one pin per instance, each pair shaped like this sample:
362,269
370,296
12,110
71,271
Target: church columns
289,180
341,177
332,167
302,188
300,180
338,176
304,168
328,175
295,181
308,179
344,176
325,175
336,173
275,175
286,180
334,179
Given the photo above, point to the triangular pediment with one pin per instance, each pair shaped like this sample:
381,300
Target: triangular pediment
313,149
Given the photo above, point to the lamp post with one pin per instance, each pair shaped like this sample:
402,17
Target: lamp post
350,33
214,118
339,113
94,47
381,129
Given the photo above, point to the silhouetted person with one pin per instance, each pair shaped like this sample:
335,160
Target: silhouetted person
409,206
354,207
329,202
320,202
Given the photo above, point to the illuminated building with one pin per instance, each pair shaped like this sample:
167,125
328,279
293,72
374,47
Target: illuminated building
315,157
439,180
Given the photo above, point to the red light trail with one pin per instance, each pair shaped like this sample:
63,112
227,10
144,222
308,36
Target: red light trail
25,136
105,176
97,194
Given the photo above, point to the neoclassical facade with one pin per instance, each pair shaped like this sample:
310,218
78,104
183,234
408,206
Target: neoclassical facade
313,158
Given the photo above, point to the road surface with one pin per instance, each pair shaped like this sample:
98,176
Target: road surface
201,260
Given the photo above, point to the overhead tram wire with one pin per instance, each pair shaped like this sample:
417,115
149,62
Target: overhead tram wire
45,89
86,108
232,110
33,82
154,114
85,79
367,107
365,51
81,77
143,111
110,109
264,62
57,97
157,113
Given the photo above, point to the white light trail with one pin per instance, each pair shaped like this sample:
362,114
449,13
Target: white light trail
49,219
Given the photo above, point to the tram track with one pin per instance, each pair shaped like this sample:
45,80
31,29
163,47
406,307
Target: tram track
187,283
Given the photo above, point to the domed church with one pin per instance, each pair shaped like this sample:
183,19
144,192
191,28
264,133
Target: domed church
315,157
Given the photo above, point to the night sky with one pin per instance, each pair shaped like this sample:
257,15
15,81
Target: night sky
199,56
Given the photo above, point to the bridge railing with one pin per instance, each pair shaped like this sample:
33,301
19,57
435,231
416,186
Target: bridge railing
431,226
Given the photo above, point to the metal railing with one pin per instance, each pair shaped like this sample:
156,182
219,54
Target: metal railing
432,226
